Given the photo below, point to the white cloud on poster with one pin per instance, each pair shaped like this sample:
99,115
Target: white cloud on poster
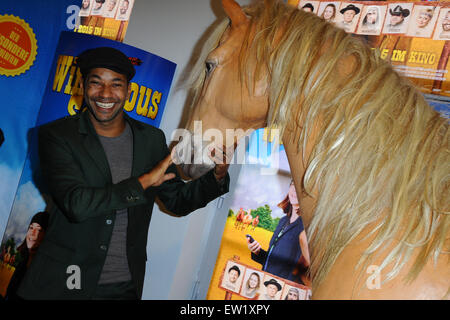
9,180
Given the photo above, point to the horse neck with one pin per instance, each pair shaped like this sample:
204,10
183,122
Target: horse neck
297,158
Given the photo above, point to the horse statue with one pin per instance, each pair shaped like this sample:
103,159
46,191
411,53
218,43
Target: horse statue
239,218
369,157
255,222
247,221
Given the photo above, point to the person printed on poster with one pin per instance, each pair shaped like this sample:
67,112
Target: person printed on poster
26,251
423,22
397,20
288,253
97,9
329,13
110,9
443,30
86,7
124,11
348,21
272,292
251,286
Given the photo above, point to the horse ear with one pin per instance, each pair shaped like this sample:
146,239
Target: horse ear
234,12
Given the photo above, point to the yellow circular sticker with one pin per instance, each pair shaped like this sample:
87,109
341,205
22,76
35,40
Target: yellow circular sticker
18,46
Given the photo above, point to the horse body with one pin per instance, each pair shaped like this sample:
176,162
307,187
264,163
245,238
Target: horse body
368,156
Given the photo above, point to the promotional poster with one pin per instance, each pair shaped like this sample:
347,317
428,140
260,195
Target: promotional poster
105,18
27,47
150,89
258,215
412,35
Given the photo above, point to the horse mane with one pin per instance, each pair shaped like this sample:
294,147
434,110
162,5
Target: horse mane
381,158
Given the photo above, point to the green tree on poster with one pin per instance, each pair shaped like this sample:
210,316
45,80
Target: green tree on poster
265,218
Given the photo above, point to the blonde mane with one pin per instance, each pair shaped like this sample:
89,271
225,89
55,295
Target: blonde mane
382,155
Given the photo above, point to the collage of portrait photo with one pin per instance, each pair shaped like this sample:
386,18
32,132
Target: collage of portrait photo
414,19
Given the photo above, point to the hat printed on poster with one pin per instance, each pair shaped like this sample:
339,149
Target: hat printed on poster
309,6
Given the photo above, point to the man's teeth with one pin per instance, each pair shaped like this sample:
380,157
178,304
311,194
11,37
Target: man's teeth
105,105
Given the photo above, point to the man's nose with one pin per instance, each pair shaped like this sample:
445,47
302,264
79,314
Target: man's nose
106,92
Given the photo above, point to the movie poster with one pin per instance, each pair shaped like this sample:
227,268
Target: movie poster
412,35
105,18
260,214
27,45
63,97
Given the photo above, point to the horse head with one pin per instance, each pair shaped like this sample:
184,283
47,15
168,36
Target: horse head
226,108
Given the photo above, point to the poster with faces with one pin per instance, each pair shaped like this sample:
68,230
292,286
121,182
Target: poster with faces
310,6
423,21
371,21
86,7
348,16
328,10
397,18
442,30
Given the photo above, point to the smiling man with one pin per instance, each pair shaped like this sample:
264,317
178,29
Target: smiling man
104,170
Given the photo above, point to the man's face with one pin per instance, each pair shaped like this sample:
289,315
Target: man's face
272,290
348,15
124,7
446,22
105,92
233,276
395,20
34,235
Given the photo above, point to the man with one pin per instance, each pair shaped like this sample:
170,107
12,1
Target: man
272,288
349,12
104,170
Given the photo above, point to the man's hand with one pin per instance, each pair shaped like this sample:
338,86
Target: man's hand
222,158
157,175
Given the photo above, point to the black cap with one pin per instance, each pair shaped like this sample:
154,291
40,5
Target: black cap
41,218
105,57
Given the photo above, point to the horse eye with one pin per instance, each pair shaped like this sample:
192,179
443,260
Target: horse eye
209,66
